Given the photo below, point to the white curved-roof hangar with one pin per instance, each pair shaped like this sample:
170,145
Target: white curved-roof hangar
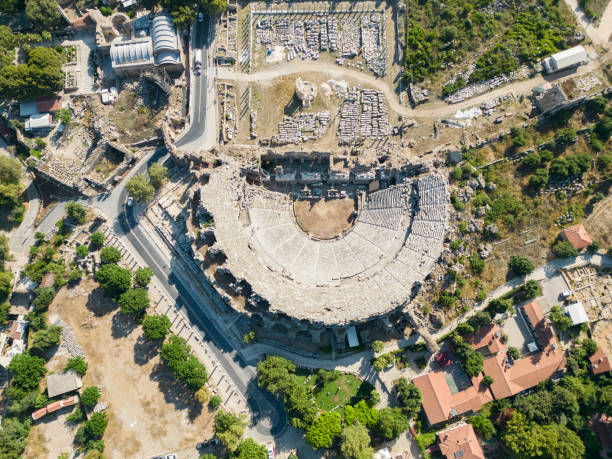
368,272
131,52
163,34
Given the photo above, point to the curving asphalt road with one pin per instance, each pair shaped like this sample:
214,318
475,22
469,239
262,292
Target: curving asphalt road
269,417
199,89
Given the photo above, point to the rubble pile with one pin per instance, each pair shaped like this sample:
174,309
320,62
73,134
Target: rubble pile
487,85
300,128
364,115
306,38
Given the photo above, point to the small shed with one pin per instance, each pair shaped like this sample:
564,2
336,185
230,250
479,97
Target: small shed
577,313
38,121
600,362
62,383
577,235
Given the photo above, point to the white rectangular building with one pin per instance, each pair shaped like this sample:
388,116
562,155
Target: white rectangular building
572,57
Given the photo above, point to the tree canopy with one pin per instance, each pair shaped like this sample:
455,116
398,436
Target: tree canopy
45,339
521,265
43,14
27,371
143,276
134,302
110,254
114,279
158,175
392,423
90,396
409,397
76,211
321,433
184,365
41,76
355,442
139,187
156,327
250,449
228,429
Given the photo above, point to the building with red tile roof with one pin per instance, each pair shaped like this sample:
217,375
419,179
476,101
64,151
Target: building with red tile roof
600,362
52,407
488,336
511,377
460,442
578,236
602,425
440,404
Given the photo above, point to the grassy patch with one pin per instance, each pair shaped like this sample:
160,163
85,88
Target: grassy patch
340,391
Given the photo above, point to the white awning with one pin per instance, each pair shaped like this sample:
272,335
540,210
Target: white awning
532,347
351,334
577,313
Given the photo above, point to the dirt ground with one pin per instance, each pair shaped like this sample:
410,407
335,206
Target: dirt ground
324,219
598,224
149,413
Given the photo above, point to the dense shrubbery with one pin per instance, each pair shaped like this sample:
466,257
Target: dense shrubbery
471,360
441,34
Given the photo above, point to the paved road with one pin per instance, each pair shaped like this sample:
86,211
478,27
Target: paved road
195,138
269,416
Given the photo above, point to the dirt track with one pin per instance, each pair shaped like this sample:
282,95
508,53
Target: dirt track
436,109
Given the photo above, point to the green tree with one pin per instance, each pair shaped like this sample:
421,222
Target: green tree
44,14
10,6
77,364
43,298
392,423
184,365
76,212
521,265
482,426
158,175
6,284
321,433
499,305
140,188
45,339
134,302
596,105
96,239
378,346
75,276
215,401
82,250
183,16
531,161
11,170
590,346
409,396
156,327
539,179
477,264
473,364
559,319
514,353
605,400
355,442
228,429
564,249
465,329
480,319
361,413
64,115
90,396
143,276
594,247
96,425
487,380
250,449
114,280
27,371
13,436
110,254
603,128
518,136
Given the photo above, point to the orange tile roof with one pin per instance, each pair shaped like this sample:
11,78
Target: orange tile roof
510,379
489,336
39,413
438,401
600,362
48,104
460,442
578,236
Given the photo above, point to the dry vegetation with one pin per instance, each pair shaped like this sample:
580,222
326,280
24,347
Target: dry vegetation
149,412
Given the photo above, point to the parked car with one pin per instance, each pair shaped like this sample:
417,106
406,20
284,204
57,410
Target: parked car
171,456
271,450
200,17
210,441
130,201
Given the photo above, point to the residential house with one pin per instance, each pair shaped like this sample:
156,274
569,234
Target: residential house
513,376
460,442
578,236
600,362
441,404
63,383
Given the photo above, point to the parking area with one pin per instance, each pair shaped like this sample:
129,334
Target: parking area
552,288
517,332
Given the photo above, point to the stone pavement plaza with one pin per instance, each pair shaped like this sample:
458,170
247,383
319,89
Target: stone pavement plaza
365,273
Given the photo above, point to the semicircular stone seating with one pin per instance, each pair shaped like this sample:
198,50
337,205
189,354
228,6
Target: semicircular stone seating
364,273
